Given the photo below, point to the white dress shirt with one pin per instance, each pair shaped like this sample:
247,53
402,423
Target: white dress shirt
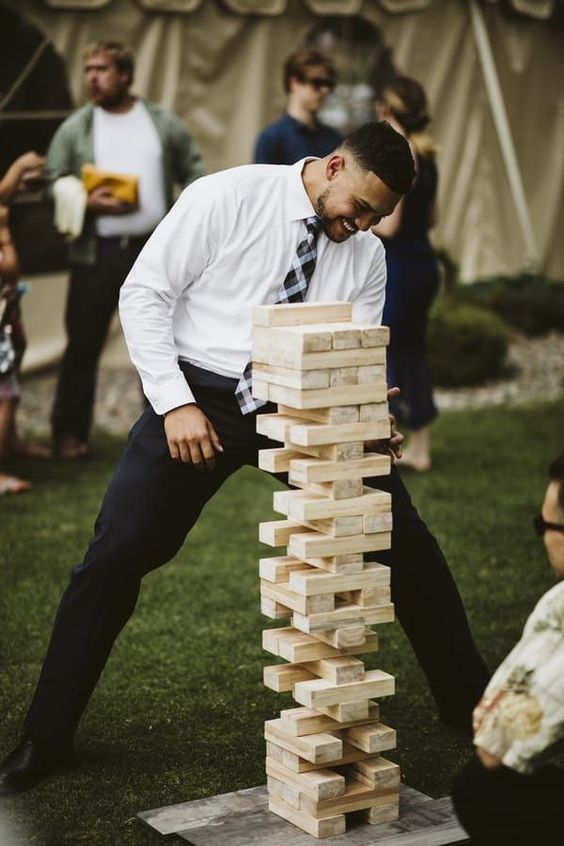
225,247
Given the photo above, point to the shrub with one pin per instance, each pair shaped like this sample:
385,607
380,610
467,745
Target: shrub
530,303
467,344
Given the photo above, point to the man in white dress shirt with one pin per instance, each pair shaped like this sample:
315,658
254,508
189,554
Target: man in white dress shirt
186,310
126,135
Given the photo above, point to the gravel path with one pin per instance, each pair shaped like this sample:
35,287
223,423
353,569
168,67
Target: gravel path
536,372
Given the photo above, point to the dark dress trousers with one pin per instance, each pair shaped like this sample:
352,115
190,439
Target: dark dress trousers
152,503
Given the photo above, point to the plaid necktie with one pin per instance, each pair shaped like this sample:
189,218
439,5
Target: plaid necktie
293,290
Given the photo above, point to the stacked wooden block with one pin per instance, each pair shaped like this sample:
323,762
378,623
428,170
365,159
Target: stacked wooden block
327,375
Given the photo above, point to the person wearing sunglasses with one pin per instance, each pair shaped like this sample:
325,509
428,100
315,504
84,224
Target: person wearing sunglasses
308,77
509,793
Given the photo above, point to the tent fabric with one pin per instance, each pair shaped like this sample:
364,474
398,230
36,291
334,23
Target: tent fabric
222,75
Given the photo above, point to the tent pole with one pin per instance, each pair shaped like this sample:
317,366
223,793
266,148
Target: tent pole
499,113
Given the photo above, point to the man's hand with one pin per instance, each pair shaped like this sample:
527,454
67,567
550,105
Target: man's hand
392,445
102,201
191,437
490,762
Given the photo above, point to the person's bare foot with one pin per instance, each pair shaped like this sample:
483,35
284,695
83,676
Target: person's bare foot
419,463
12,485
72,449
28,449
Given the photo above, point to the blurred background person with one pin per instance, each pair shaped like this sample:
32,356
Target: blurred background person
508,795
413,273
130,138
308,77
19,177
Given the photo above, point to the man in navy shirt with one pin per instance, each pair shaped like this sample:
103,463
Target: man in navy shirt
308,78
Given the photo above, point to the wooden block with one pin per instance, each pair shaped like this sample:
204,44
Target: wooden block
293,314
332,414
297,379
306,506
382,813
318,397
340,489
347,637
327,827
339,564
299,339
338,527
314,434
375,336
371,411
320,692
379,595
344,336
356,797
340,670
348,712
346,376
286,792
281,594
319,784
312,581
297,764
277,426
317,470
371,738
278,532
297,647
315,748
278,569
343,616
273,609
292,358
347,338
283,677
374,523
276,460
307,721
370,374
376,772
316,545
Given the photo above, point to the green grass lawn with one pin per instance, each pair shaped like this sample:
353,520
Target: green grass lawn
179,712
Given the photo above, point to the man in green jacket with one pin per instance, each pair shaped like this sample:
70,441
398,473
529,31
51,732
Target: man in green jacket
125,135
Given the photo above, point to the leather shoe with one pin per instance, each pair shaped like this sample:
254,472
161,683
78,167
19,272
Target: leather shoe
28,764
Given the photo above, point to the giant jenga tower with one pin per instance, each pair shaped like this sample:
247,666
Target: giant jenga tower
327,375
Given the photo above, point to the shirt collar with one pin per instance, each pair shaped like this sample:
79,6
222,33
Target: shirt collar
299,204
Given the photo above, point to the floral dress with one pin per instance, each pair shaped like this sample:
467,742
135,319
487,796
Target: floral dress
521,714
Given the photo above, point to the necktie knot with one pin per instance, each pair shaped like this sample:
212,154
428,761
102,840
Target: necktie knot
313,224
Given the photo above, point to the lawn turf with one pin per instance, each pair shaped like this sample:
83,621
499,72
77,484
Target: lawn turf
179,712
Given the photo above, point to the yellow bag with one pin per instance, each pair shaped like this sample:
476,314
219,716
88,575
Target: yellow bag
123,186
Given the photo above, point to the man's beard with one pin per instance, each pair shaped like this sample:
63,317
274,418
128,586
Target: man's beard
327,222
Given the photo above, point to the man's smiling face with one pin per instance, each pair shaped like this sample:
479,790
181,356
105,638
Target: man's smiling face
353,199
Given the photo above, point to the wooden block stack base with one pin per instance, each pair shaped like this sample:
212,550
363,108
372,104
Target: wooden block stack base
327,374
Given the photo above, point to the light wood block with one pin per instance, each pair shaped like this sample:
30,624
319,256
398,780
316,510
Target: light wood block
315,337
274,610
338,527
340,670
382,813
376,772
283,677
332,414
292,358
320,692
315,748
347,451
347,712
279,568
302,720
340,489
314,434
357,797
296,379
318,784
276,460
371,738
312,581
297,764
316,545
286,792
370,412
297,647
314,398
374,523
327,827
306,506
308,470
278,532
347,615
281,593
378,595
339,564
295,314
347,637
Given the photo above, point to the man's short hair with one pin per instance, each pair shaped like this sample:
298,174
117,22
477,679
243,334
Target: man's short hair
556,474
296,65
378,148
120,54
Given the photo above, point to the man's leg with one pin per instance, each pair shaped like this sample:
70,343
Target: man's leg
430,609
91,302
504,808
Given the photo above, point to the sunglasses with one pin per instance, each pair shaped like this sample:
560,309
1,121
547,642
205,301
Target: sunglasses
319,82
540,526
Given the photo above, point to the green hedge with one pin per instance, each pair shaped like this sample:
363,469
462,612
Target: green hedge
532,304
467,344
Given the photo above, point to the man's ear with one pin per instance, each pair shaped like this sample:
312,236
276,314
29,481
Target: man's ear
335,164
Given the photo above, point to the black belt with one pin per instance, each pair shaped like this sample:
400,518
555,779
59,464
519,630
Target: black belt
124,242
206,378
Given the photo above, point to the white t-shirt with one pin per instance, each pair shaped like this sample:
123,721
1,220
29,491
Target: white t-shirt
225,247
128,143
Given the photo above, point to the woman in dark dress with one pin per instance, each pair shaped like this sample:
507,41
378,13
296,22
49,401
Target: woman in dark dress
413,274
